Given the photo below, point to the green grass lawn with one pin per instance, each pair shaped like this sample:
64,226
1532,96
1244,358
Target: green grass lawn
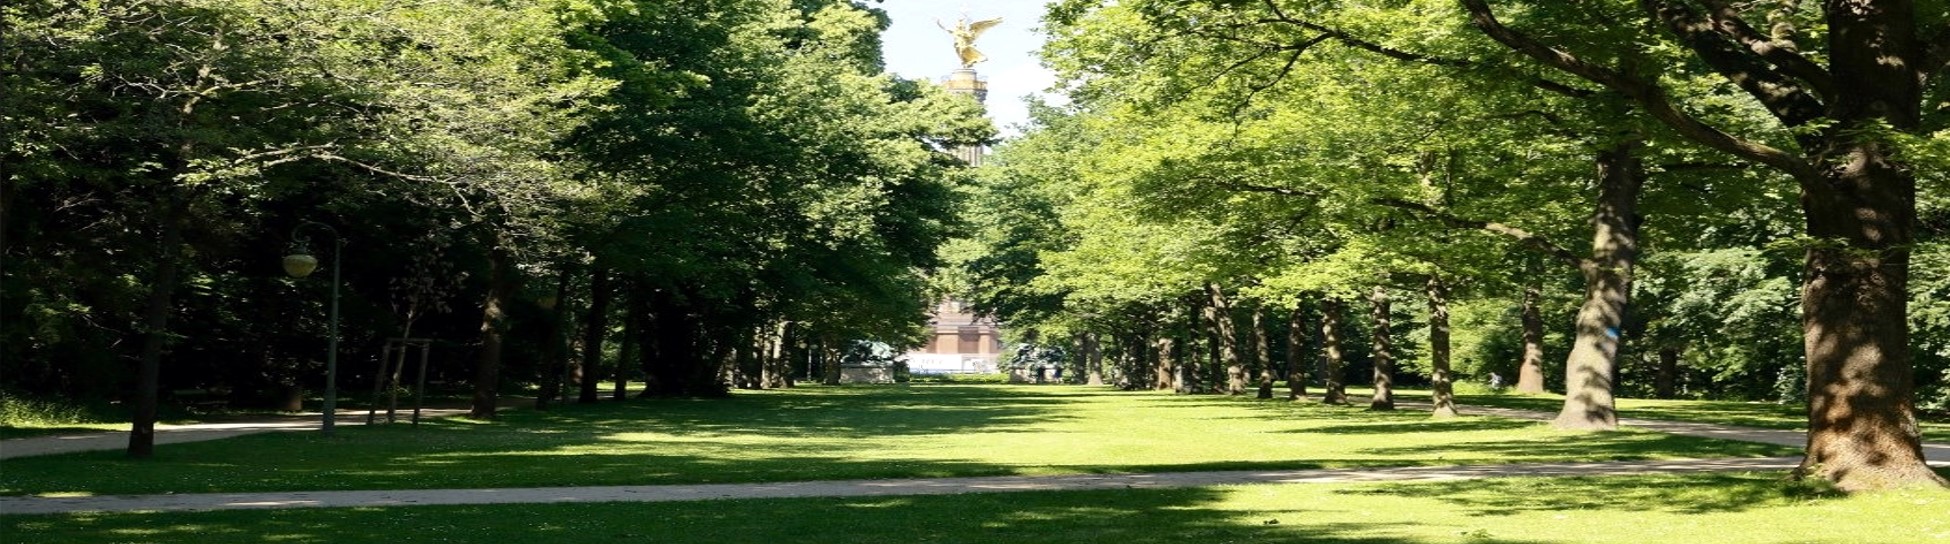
1688,509
815,433
1767,415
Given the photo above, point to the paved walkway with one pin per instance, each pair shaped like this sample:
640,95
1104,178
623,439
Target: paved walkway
1939,455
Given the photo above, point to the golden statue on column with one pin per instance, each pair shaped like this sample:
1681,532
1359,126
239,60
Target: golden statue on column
965,33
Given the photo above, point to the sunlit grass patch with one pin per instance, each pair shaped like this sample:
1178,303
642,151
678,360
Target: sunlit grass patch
819,433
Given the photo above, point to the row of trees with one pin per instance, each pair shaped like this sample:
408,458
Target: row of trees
1283,164
729,184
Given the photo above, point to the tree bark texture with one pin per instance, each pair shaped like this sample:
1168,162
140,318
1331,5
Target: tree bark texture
1589,371
595,329
1219,314
1296,366
1442,391
1384,358
1334,390
155,337
1862,430
502,279
1262,359
1530,372
1166,367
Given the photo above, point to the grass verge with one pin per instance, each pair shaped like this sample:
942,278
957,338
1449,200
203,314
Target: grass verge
816,433
1718,508
1766,415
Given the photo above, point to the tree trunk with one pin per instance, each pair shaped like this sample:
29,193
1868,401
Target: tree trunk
1665,383
1589,371
595,329
1186,380
555,355
626,354
1441,393
1296,368
1530,376
1220,316
1166,367
1384,358
1862,431
1262,360
155,336
829,365
1335,392
1093,359
494,325
777,366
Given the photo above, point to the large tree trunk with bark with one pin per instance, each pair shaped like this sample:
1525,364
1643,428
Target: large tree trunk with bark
1296,366
155,336
1589,371
1384,358
1262,359
1862,431
1166,368
1443,395
502,279
1335,392
1227,340
1093,359
778,367
1530,372
595,329
1593,362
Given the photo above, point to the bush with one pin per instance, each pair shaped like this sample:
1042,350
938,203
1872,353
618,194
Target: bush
1479,388
961,378
17,411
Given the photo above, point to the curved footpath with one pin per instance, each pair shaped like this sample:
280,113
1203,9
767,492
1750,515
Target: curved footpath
1938,453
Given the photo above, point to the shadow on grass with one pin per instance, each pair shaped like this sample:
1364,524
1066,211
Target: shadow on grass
1118,517
1678,494
1616,445
1426,425
583,444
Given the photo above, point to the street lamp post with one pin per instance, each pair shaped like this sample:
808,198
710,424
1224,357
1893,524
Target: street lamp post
301,263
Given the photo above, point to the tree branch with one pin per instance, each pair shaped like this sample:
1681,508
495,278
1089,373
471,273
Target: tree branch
1527,238
1713,41
1280,16
1649,96
1778,52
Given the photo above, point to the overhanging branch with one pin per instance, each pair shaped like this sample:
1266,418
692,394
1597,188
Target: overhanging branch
1527,238
1647,95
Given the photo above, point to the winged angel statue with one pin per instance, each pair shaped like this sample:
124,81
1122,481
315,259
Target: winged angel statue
965,33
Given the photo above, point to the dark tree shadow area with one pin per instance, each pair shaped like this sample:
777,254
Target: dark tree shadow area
1111,517
573,441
